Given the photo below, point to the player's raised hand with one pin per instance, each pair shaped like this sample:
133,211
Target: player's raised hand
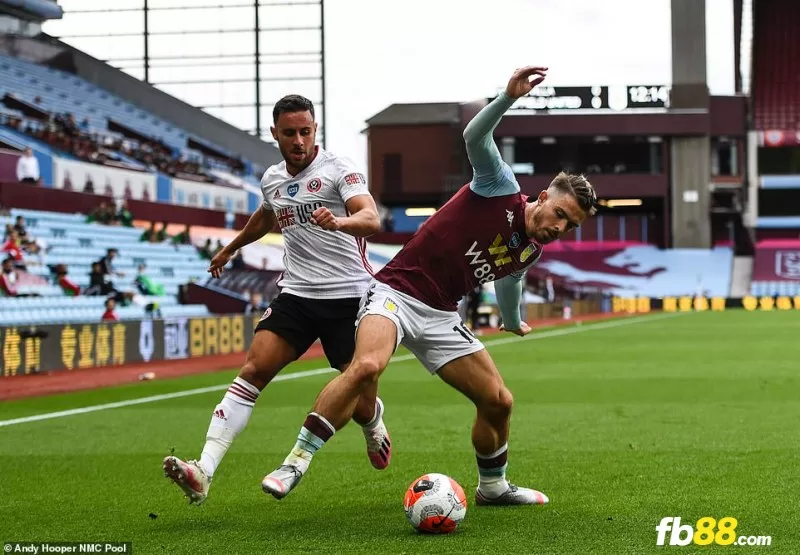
325,219
524,329
521,83
218,262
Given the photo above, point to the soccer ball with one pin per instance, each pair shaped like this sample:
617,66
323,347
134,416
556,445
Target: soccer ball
435,503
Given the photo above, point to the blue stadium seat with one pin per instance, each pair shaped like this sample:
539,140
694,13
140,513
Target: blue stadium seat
78,244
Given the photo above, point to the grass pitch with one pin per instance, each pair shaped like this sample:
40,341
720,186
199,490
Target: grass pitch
692,415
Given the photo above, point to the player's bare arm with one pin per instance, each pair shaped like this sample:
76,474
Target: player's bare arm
260,223
363,220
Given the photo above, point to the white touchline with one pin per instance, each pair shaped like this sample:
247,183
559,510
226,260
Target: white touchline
318,371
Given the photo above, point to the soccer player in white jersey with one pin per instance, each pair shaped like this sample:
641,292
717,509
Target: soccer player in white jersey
323,207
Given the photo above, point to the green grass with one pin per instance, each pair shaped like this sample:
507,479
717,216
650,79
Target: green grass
690,416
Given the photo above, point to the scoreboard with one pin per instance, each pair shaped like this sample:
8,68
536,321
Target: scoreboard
593,98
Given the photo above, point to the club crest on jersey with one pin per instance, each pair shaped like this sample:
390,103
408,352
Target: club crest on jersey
390,305
526,254
314,185
514,242
293,188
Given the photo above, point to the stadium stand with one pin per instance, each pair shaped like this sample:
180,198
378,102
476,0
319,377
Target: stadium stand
82,120
776,88
70,241
776,120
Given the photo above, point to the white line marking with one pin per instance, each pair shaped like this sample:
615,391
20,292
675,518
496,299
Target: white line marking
318,371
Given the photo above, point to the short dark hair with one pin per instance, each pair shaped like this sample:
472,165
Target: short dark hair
578,187
292,103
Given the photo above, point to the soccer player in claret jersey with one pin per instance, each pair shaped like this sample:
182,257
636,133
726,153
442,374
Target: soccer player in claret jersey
324,209
488,231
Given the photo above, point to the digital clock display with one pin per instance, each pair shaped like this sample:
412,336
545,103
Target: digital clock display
648,96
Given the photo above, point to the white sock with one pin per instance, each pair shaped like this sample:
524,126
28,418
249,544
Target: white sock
229,418
492,472
377,418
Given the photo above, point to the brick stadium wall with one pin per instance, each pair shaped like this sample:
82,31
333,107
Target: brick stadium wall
429,152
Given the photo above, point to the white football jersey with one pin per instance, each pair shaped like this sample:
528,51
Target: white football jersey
319,264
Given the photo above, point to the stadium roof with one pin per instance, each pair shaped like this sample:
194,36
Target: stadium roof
415,114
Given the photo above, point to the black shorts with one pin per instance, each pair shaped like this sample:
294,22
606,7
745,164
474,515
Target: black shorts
300,322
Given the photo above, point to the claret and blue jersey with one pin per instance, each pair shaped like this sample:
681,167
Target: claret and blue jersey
478,236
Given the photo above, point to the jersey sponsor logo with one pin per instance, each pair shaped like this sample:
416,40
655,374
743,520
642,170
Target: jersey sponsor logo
355,178
510,217
499,250
390,305
314,185
286,217
292,215
514,243
277,194
304,211
481,269
293,188
480,266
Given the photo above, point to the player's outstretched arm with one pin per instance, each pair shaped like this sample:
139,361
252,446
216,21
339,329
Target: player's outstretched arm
509,295
363,220
492,177
260,223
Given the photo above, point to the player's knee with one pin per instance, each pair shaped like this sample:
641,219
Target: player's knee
365,369
258,372
249,373
499,404
505,401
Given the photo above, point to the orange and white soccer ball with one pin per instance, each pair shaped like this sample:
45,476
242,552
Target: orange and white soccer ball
435,503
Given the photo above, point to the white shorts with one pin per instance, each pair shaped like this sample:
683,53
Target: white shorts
436,337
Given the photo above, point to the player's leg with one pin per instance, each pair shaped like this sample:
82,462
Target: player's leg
337,333
379,331
280,337
476,376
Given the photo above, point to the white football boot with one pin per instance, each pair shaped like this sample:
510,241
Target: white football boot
189,476
514,495
281,481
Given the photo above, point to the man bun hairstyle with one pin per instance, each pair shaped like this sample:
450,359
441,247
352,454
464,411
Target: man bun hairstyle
292,103
578,187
